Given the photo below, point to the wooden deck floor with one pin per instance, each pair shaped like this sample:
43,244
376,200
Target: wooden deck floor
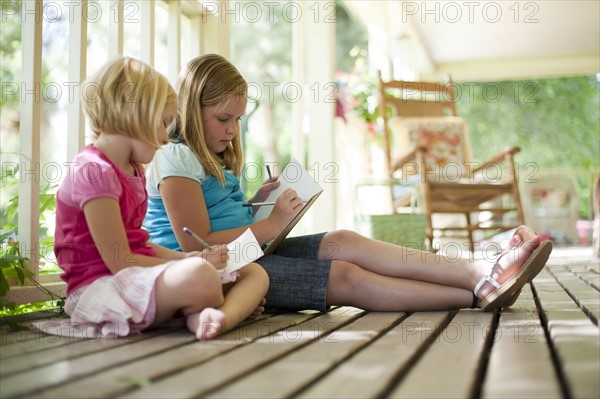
547,345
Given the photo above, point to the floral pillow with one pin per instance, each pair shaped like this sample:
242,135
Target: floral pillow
445,138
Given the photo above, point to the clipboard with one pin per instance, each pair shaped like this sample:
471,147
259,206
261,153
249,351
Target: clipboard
294,176
273,244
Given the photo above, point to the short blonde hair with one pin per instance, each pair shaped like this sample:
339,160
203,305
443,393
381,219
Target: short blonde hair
208,80
127,97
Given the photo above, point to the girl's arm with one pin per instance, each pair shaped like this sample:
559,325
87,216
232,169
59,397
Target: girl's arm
184,201
217,255
167,253
103,216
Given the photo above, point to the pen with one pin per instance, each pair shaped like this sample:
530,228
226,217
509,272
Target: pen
258,204
196,237
262,203
269,173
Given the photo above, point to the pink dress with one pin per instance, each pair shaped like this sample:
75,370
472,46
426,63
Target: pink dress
100,303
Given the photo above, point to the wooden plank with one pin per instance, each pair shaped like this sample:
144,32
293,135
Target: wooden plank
73,368
582,293
39,342
312,361
370,372
124,378
574,338
404,107
70,348
456,356
8,336
520,362
587,274
443,91
234,364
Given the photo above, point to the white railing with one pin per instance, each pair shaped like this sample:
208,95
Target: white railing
202,36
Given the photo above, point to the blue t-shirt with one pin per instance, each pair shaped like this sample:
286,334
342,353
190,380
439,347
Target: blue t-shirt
224,203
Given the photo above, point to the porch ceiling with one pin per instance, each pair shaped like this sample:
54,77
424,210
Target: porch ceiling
490,40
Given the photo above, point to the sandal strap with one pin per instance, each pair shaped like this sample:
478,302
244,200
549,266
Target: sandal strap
490,279
486,279
475,302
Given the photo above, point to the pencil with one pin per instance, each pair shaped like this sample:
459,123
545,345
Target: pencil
269,173
196,237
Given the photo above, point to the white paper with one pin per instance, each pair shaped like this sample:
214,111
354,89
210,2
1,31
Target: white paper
294,176
243,250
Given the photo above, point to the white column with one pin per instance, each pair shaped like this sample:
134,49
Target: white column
195,46
76,73
30,127
316,52
174,40
216,32
115,28
147,31
298,76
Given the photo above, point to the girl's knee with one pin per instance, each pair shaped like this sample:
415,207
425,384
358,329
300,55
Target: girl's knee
199,277
343,236
338,244
345,273
345,282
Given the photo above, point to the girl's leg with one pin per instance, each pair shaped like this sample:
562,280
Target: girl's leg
352,285
395,261
241,299
189,285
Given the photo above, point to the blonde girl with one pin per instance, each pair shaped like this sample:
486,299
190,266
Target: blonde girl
118,283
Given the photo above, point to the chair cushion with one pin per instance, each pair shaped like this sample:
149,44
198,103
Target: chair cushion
445,138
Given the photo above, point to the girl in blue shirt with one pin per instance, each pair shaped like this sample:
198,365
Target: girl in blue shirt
194,182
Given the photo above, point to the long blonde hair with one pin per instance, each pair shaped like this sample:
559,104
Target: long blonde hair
127,97
208,80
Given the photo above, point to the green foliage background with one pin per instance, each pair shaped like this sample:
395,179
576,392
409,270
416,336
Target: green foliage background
556,122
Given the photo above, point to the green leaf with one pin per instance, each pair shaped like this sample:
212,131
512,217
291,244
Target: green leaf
4,237
11,210
9,173
142,382
20,274
47,202
10,260
3,284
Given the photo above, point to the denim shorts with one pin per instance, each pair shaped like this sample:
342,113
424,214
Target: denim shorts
297,278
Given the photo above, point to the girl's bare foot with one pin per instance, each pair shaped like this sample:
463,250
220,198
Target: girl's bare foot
207,324
259,310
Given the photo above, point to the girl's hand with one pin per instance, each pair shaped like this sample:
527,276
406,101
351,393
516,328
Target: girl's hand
194,253
217,255
227,278
264,190
286,207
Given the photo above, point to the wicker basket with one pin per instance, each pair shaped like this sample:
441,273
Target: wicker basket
405,229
